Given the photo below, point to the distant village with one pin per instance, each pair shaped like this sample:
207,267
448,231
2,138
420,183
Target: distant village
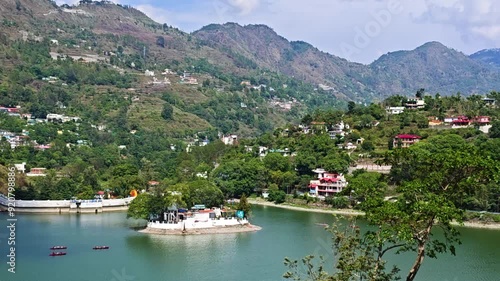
325,184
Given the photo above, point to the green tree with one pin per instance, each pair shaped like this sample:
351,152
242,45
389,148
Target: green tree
139,208
244,206
494,130
275,195
276,162
238,177
204,192
367,145
168,112
437,174
356,258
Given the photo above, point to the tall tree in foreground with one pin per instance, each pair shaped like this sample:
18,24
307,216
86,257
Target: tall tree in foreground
434,175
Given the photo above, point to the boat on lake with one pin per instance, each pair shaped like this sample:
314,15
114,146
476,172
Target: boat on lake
100,247
54,254
58,247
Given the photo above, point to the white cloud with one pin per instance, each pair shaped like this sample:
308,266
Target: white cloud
474,20
244,7
157,14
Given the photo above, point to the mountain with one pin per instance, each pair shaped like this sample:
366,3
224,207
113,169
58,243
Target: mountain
488,56
232,52
432,66
268,50
435,67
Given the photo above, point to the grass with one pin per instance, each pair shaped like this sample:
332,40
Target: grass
147,114
482,217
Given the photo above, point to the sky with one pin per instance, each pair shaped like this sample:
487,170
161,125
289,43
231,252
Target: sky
357,30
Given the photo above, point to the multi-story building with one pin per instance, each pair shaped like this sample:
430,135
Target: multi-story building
326,184
405,140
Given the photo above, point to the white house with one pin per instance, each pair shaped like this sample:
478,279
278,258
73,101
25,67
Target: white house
394,110
415,104
21,167
230,139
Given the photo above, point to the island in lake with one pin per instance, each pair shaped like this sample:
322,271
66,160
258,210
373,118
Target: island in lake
199,220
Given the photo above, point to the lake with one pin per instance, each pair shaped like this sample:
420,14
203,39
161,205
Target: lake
243,256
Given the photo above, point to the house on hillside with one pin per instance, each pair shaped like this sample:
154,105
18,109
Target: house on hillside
489,101
482,120
318,126
415,104
230,139
405,140
21,167
394,110
461,121
37,172
339,129
326,184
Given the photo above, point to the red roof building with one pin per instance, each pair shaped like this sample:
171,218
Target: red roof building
405,140
461,121
327,184
482,120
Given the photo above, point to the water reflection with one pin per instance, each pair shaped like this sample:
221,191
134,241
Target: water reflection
242,256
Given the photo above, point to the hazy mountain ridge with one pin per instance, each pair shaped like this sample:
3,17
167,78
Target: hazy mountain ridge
432,65
488,56
436,67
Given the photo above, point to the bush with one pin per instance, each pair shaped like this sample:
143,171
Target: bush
167,112
275,195
340,202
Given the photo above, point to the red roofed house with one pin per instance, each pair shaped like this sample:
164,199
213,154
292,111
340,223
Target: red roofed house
37,172
461,121
405,140
482,120
327,184
152,184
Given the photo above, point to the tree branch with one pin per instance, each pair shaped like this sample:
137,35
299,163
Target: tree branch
390,248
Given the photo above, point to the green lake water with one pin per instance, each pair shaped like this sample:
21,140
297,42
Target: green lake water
244,256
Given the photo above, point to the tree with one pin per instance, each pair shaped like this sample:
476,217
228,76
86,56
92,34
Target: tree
351,106
306,120
434,176
420,93
244,206
168,112
368,146
160,41
276,162
356,258
275,195
238,177
438,173
495,130
206,193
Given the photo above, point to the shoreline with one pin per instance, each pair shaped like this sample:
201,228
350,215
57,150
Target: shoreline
348,212
200,231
